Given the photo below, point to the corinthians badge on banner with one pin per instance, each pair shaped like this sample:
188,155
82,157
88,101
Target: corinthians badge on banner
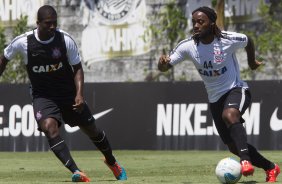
115,11
113,28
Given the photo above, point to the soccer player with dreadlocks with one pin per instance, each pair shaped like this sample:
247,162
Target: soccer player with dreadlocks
213,53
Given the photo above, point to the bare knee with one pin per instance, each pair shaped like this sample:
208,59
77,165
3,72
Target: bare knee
50,127
231,116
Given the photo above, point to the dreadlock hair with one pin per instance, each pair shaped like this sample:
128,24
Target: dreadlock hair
212,17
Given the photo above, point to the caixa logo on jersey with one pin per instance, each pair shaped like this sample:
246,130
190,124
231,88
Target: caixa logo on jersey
47,68
194,120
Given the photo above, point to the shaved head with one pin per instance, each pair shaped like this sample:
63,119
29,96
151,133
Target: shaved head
46,22
45,11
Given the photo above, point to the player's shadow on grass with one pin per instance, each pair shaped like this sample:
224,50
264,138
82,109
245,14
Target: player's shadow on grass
243,182
110,180
113,180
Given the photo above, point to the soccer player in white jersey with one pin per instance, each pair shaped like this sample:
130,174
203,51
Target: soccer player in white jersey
213,53
56,75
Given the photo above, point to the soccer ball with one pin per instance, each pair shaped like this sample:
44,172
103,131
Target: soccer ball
228,171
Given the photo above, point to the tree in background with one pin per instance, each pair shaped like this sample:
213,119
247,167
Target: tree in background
2,38
15,71
267,39
168,27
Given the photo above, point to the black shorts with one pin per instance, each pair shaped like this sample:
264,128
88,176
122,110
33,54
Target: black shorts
238,98
61,111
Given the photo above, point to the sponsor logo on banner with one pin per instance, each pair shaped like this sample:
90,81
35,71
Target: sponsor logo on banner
95,116
11,10
113,29
275,122
191,119
21,121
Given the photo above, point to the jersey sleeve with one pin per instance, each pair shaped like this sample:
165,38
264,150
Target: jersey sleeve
239,40
178,54
17,45
72,50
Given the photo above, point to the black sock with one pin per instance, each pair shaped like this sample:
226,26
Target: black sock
60,149
258,160
239,136
102,143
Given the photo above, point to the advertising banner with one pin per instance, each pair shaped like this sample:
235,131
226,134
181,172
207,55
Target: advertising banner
147,116
12,10
113,29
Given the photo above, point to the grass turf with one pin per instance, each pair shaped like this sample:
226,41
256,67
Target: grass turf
146,167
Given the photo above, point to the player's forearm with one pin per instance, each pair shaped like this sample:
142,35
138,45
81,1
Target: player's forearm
250,49
79,80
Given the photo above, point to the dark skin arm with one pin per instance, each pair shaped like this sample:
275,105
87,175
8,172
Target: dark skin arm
3,63
79,82
250,49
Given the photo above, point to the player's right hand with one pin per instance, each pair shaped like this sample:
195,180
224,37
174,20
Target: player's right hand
79,104
164,59
163,64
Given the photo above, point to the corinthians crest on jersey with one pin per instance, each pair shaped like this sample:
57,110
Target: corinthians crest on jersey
218,56
56,53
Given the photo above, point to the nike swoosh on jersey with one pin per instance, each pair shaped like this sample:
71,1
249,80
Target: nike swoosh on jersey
34,54
275,123
96,116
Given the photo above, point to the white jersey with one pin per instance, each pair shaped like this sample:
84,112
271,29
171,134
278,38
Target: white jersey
216,62
19,45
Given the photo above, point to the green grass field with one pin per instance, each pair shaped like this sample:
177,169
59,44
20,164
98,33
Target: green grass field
146,167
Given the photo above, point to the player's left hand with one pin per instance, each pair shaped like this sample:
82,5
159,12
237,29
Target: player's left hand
79,104
256,64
